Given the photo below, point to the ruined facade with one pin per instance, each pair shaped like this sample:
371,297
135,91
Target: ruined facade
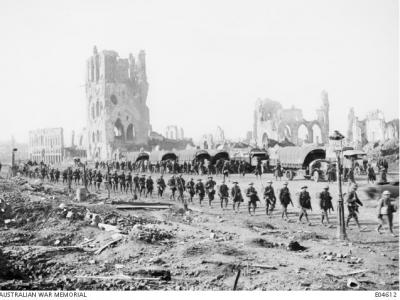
272,122
174,132
219,136
117,113
46,145
372,129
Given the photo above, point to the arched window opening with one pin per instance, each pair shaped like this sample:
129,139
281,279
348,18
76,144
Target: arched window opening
317,134
119,130
130,132
302,134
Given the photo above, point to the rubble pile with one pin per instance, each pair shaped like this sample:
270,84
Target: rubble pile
150,234
266,244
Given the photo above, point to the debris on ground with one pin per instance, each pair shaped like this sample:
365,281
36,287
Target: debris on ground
295,246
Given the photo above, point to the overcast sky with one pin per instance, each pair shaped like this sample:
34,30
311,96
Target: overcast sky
207,61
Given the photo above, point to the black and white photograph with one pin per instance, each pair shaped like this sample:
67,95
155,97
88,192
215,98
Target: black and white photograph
193,146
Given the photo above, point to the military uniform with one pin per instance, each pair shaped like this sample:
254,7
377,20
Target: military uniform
180,182
285,199
115,182
149,186
210,184
305,203
142,185
136,183
352,205
223,193
160,186
325,203
190,187
251,193
270,199
128,182
200,190
172,186
122,182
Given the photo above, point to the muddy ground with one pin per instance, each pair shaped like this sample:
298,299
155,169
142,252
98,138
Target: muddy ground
49,241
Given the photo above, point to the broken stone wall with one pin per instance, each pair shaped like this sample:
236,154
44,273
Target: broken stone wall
117,114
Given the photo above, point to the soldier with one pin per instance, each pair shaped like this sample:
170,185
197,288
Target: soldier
225,169
251,193
305,203
258,170
190,187
142,185
122,182
160,186
115,182
210,184
331,171
200,190
350,176
51,173
99,179
352,205
90,178
278,171
108,182
385,211
128,182
65,176
57,175
237,197
149,186
371,174
69,178
136,183
180,183
172,187
223,193
285,199
269,196
325,203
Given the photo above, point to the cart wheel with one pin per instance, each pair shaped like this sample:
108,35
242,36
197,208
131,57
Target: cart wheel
316,176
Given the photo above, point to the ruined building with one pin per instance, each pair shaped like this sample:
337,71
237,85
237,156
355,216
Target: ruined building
117,114
46,145
272,122
372,129
174,132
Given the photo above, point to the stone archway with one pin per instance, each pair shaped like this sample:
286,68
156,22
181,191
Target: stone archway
302,134
316,134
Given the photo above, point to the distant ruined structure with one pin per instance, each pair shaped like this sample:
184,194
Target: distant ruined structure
46,145
117,114
372,129
174,132
272,122
212,141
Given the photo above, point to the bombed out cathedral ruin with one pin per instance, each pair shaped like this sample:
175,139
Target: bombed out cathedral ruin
117,113
272,122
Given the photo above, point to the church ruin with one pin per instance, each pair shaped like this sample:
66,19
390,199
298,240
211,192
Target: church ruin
117,113
371,129
272,122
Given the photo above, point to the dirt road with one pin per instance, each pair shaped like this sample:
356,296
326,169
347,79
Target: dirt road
201,249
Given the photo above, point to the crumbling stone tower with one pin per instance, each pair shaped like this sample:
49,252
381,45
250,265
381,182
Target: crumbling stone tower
116,94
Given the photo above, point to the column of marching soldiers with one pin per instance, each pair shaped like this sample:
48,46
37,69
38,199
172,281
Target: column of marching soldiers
142,186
